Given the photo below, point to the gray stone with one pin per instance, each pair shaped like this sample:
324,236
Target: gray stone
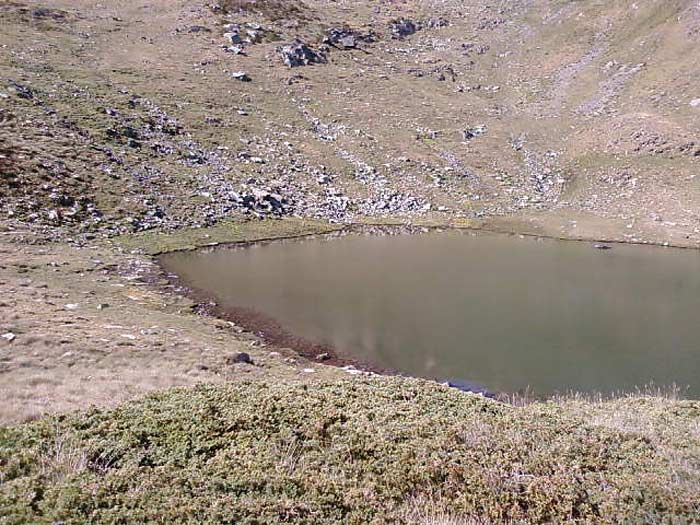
345,37
242,76
299,54
437,22
474,132
403,27
233,38
240,357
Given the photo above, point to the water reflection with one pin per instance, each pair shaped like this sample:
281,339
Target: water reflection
499,311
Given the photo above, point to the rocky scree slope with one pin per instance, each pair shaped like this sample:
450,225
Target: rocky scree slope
117,117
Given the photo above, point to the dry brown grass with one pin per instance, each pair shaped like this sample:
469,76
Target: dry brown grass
62,458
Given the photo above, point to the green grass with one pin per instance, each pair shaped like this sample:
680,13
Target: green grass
381,450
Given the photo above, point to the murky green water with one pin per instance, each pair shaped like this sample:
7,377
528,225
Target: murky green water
501,311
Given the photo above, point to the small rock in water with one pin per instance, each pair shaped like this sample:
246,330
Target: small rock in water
240,357
102,306
602,247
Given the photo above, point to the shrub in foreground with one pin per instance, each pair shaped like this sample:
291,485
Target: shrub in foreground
380,450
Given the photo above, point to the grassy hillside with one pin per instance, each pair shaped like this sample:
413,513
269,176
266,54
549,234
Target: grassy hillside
355,451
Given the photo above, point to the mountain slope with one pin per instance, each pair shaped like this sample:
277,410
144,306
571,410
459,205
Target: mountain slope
127,117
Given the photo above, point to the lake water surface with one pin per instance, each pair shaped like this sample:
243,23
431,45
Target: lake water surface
502,311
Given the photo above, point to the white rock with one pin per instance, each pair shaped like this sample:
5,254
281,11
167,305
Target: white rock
70,306
9,337
695,103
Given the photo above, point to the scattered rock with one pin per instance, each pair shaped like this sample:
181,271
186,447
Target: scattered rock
233,38
254,36
45,12
299,54
236,50
437,22
23,91
240,357
340,36
346,38
403,27
198,29
472,133
241,76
